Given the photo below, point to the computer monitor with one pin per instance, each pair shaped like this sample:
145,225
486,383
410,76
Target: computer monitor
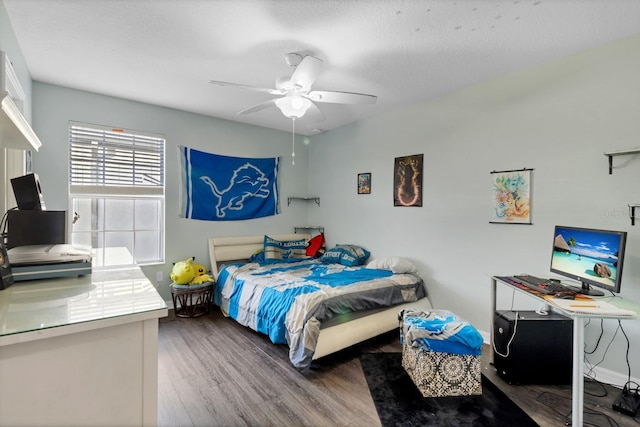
593,257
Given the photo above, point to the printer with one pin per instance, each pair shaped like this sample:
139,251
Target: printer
33,262
37,238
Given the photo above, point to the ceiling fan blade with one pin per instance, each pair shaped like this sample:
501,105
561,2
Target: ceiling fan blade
258,107
314,114
341,97
253,88
306,72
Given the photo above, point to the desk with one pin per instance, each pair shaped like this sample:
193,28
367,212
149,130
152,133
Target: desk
577,383
78,351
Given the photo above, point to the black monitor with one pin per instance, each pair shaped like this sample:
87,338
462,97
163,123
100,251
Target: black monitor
590,256
33,227
27,192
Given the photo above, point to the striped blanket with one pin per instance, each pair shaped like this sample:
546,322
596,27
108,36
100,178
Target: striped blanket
289,302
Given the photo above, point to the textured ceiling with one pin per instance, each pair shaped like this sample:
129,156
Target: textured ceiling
164,52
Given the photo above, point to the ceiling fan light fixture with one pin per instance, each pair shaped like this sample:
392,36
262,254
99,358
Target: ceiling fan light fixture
293,106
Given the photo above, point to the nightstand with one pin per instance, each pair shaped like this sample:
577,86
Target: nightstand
192,300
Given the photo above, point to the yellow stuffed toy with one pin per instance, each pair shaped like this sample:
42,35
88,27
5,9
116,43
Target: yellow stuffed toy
189,273
183,272
201,275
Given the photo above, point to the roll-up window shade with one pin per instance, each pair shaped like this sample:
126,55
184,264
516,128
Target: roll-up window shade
115,161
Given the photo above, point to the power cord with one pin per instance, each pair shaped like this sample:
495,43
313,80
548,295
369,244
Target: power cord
542,310
597,341
628,402
508,346
3,224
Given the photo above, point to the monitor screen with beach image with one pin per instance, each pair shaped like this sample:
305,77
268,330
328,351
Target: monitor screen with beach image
592,257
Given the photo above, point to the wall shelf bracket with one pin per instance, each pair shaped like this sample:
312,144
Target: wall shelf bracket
309,227
315,199
632,212
612,154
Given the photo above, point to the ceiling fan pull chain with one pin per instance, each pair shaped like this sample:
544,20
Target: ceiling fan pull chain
293,142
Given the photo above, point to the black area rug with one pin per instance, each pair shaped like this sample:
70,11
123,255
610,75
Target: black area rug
399,402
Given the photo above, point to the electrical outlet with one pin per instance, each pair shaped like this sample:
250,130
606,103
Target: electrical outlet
159,276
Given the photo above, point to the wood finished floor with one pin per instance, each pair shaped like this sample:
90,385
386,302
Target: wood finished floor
215,372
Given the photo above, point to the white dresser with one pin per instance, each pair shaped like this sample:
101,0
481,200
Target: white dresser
80,351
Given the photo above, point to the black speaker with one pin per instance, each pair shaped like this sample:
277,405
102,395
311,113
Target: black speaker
28,193
531,348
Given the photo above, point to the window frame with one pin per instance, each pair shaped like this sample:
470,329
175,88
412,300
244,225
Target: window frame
111,172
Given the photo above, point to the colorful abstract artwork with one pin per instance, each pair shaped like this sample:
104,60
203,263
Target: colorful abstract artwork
364,183
511,197
407,180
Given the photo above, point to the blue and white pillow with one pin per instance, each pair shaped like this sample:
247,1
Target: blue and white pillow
284,251
349,255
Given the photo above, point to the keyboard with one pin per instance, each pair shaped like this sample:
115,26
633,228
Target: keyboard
545,286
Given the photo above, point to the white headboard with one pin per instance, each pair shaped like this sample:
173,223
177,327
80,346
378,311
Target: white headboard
242,247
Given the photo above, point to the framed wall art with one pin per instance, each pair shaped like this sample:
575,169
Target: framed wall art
364,183
407,180
511,196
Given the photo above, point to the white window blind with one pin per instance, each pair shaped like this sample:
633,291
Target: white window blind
115,161
116,183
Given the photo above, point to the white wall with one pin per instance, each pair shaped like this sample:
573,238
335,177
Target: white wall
55,106
558,119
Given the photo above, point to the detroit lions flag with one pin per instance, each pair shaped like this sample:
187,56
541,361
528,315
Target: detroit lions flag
222,188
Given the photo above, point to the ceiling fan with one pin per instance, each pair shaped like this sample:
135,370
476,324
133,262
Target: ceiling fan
297,97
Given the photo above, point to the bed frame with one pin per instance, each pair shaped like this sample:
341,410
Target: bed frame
333,338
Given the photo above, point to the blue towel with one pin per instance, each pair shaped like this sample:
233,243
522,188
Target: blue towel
441,331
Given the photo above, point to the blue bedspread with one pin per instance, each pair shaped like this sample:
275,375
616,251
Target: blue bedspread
289,302
441,331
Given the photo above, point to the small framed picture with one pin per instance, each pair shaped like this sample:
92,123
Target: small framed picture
511,197
364,183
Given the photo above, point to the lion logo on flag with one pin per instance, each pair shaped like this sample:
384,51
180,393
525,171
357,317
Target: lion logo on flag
247,181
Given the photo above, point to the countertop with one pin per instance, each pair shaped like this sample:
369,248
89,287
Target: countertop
37,309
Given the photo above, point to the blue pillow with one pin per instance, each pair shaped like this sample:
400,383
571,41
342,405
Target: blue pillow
284,251
349,255
257,256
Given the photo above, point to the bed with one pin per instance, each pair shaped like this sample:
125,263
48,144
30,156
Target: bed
333,332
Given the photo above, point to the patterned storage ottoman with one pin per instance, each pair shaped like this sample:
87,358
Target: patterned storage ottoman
441,353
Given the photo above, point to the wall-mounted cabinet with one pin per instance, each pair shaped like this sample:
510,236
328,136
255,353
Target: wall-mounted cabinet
15,131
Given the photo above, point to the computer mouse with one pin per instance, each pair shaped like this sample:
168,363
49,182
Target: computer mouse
565,296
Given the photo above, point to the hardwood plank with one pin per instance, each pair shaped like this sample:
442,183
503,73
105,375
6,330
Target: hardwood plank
213,371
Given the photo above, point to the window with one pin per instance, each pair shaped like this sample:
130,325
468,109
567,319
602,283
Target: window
116,185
